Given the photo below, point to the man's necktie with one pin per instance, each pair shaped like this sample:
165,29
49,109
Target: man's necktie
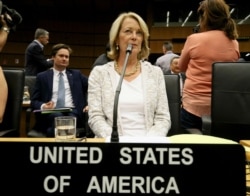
61,92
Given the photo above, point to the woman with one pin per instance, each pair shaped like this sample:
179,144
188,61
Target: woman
215,42
143,106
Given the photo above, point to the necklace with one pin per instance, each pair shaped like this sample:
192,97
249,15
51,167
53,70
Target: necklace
128,74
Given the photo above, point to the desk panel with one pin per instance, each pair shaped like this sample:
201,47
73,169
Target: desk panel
98,168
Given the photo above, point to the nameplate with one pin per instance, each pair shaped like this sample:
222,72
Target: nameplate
46,168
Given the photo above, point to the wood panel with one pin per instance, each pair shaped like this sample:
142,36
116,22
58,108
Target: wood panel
88,40
178,36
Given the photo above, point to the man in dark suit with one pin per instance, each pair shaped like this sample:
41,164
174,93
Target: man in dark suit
45,93
35,61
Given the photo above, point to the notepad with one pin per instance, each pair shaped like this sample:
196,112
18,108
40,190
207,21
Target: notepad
54,110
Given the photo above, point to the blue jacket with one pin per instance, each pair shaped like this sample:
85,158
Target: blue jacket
44,86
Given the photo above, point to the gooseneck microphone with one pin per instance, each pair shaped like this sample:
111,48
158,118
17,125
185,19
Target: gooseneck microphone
114,134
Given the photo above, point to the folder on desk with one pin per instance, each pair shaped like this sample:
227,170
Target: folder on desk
54,110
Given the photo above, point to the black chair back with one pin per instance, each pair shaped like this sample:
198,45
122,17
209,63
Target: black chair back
12,116
172,82
230,104
30,82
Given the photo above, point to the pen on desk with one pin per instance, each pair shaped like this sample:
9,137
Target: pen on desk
81,139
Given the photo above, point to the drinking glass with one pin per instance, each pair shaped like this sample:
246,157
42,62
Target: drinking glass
65,128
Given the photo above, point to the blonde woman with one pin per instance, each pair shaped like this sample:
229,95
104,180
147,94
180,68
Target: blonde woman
143,105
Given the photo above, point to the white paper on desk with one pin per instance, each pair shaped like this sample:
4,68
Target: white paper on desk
141,139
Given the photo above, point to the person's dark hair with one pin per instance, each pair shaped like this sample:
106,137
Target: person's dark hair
168,45
107,48
40,32
215,15
175,57
11,16
57,47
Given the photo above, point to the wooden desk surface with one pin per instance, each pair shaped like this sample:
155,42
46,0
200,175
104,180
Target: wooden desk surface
182,138
245,143
22,139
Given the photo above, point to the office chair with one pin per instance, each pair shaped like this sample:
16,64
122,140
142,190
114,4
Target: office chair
10,126
230,101
172,82
30,82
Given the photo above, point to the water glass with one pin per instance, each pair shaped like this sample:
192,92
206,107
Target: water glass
65,128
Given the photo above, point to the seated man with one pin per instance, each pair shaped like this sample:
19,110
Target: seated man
48,92
174,69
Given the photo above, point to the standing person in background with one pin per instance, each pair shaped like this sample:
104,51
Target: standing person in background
35,61
143,105
164,61
216,41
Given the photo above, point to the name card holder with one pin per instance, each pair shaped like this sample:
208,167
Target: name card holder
77,168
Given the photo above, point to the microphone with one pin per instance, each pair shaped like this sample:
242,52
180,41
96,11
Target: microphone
114,134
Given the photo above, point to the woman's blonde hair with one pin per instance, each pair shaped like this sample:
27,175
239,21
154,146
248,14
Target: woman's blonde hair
114,32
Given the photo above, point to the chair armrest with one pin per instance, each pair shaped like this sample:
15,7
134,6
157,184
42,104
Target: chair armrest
7,133
206,124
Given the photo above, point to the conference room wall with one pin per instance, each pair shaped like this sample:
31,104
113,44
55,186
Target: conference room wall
88,40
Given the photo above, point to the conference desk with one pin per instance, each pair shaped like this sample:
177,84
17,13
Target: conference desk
97,166
246,145
29,139
181,138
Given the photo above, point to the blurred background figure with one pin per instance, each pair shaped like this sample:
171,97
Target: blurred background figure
175,69
164,61
35,61
215,41
103,58
174,65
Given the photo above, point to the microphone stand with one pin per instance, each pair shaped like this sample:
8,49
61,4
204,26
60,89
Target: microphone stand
114,134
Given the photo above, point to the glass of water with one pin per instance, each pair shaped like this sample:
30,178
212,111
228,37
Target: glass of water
65,128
